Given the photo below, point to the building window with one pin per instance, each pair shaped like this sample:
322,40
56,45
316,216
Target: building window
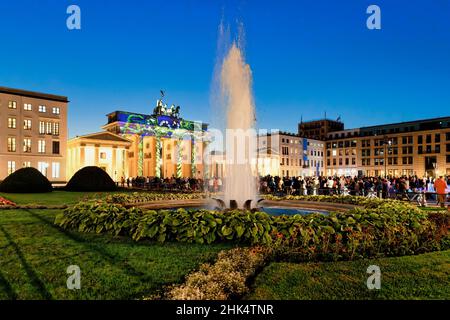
11,144
437,148
448,158
48,128
42,108
41,127
55,169
447,147
55,110
27,107
42,167
407,160
437,138
12,123
428,138
407,140
420,139
12,105
26,164
447,136
27,124
11,166
27,145
55,147
407,150
41,146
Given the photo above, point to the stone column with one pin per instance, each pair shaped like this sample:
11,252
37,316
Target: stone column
82,161
140,155
179,159
114,170
96,155
193,156
158,146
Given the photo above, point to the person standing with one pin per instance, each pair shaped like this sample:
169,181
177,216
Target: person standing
441,190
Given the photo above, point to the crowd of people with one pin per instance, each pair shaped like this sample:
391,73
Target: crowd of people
390,187
173,183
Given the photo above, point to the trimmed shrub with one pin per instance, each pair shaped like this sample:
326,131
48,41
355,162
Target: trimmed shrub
91,179
26,180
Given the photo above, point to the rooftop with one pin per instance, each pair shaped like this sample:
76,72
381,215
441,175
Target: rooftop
33,94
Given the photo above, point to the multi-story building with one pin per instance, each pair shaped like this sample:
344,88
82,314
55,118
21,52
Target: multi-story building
409,148
33,132
319,129
341,156
296,155
419,148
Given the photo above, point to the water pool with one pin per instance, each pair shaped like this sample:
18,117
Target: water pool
273,211
280,211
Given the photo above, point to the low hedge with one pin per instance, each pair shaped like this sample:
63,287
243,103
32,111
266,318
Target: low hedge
139,197
391,228
344,199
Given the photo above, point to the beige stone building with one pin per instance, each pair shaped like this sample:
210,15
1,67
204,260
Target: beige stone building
33,132
103,149
419,148
297,156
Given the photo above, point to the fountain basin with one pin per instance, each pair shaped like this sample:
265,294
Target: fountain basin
274,208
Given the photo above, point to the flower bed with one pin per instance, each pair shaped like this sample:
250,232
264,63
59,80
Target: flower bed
6,202
388,229
226,279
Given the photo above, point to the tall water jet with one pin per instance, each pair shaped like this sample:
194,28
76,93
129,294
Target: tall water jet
236,90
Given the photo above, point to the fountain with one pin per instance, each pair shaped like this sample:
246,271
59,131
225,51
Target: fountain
236,81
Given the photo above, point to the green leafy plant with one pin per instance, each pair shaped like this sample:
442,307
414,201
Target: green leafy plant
142,197
388,229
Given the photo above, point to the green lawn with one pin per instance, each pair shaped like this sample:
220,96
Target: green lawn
34,256
424,276
51,198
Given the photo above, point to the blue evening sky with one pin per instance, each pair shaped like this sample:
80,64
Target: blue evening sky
307,57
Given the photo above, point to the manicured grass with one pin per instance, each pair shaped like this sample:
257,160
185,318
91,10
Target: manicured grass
52,198
425,276
35,254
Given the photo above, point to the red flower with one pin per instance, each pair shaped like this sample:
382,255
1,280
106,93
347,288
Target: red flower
6,202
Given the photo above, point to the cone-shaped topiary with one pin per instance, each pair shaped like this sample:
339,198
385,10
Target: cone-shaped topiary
91,179
26,180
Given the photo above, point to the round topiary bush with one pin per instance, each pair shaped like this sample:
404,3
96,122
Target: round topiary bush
26,180
91,179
